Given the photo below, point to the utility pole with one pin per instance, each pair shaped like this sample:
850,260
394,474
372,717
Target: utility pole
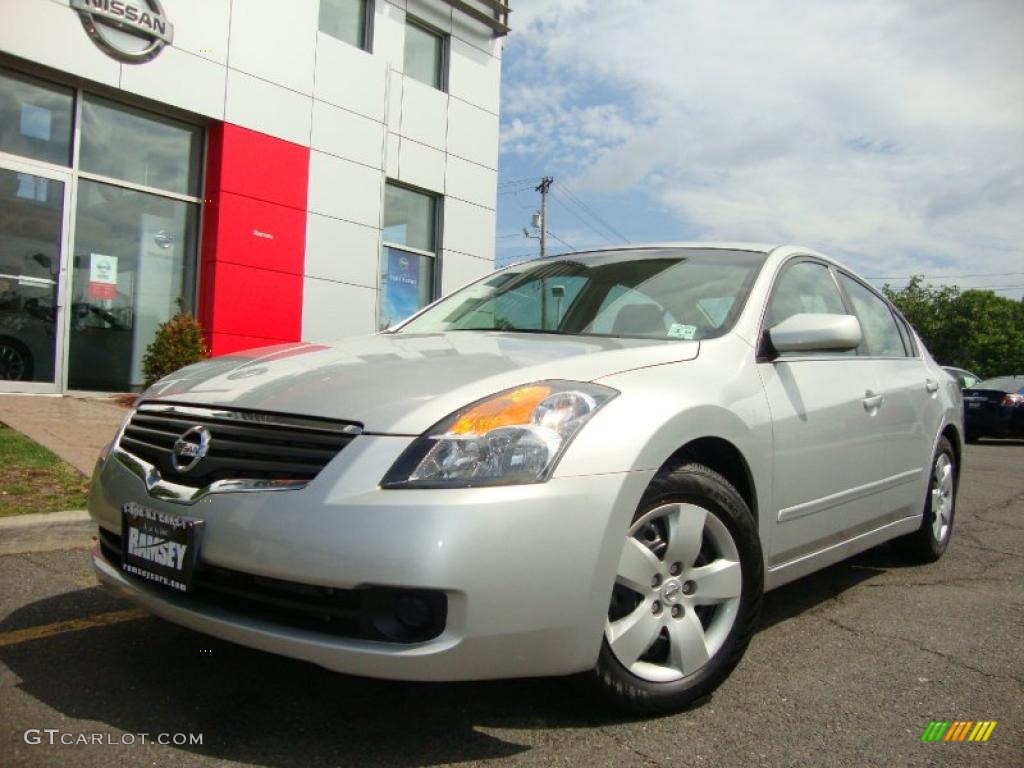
543,187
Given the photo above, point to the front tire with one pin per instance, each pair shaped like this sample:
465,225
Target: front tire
687,593
929,542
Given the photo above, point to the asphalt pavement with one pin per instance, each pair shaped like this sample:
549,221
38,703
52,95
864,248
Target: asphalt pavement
849,667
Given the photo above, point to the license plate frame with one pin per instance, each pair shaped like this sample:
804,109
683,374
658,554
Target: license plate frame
159,547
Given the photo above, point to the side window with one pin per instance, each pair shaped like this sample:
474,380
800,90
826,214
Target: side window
881,335
804,288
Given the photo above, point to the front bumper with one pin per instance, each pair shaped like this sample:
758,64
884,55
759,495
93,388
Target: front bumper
527,570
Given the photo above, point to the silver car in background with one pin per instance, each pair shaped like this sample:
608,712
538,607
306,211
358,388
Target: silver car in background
591,463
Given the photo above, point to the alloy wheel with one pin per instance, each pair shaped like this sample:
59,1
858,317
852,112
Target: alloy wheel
942,496
12,363
677,592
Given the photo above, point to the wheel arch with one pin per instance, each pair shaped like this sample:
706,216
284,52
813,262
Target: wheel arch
722,456
952,434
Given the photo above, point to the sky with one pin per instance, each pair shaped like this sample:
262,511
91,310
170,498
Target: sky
886,133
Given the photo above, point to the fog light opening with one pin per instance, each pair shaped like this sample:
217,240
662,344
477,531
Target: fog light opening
407,616
413,612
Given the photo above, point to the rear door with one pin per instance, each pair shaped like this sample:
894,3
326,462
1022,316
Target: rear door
827,450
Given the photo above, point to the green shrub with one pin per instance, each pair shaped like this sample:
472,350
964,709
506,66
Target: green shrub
178,342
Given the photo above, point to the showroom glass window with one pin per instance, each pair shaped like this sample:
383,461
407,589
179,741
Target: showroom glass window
408,263
347,20
35,118
424,54
128,183
139,239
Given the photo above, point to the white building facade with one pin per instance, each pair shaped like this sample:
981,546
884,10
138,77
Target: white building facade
288,171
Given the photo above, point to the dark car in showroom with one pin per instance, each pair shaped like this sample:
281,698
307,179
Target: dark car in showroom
994,408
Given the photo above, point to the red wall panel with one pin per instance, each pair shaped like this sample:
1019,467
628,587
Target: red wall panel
260,166
257,302
253,240
260,234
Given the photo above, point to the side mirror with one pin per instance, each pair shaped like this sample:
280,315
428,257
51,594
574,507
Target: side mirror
816,333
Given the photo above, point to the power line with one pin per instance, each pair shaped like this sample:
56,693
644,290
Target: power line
587,215
507,182
593,213
947,277
513,259
564,202
570,246
515,182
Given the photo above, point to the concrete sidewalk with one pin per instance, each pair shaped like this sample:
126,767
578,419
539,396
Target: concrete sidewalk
74,428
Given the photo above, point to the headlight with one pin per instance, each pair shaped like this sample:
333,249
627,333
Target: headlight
513,437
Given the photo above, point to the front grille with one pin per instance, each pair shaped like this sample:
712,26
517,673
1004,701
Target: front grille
244,445
366,613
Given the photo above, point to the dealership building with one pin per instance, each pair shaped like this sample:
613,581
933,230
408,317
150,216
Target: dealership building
285,170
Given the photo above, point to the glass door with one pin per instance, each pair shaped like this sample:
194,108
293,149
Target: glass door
34,210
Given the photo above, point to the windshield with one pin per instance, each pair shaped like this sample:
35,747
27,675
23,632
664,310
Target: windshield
668,293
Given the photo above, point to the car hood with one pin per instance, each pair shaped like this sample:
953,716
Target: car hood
403,383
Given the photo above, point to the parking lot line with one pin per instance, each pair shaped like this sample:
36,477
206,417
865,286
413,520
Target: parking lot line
17,636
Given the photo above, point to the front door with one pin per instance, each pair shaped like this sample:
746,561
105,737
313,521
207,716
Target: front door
824,408
34,209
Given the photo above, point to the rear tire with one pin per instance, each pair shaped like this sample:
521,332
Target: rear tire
929,542
687,594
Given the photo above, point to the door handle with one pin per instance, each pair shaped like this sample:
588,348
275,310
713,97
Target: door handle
872,401
931,385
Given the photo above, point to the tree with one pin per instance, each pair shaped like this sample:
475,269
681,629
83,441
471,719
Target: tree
972,329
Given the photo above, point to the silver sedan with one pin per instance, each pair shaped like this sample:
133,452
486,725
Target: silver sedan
595,463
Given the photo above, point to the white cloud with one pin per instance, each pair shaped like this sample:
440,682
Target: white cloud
887,131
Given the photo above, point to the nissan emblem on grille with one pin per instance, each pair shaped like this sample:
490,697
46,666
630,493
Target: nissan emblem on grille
190,448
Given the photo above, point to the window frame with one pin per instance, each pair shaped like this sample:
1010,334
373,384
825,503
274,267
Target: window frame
435,255
902,326
765,354
445,39
367,31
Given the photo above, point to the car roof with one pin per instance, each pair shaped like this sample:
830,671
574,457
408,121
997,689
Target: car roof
1006,383
691,244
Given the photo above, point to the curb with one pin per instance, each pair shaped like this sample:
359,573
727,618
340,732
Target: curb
43,518
46,532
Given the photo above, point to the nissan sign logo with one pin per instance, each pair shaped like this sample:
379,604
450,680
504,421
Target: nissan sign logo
132,32
190,448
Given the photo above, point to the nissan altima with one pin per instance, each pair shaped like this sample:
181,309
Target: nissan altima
595,463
